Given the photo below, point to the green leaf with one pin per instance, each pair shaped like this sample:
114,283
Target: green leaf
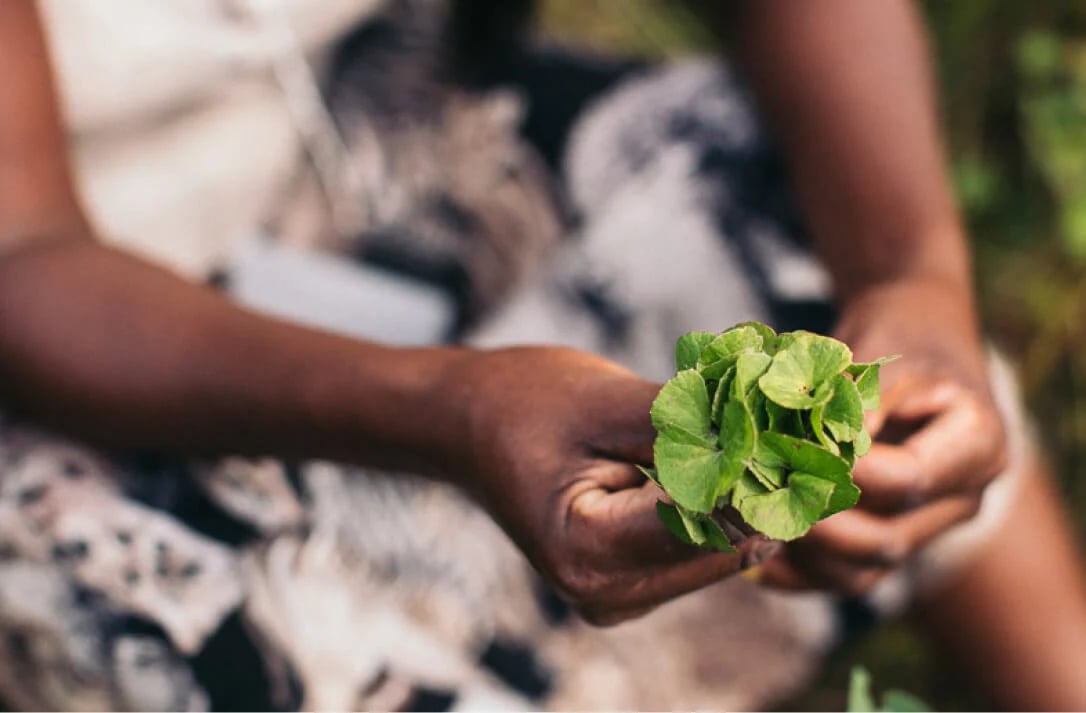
693,528
895,701
844,412
749,367
769,337
770,478
688,349
861,700
784,340
861,366
769,423
777,451
721,394
720,354
859,691
867,383
788,513
715,537
758,403
862,443
737,442
784,420
799,376
867,380
688,469
848,451
683,403
674,521
748,485
819,430
649,473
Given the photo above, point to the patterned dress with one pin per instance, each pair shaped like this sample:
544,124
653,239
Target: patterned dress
556,199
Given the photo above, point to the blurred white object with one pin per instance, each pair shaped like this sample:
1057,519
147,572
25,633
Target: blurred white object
339,295
181,134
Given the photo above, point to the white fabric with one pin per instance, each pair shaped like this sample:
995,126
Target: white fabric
181,137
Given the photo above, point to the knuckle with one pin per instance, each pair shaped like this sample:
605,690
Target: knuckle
576,583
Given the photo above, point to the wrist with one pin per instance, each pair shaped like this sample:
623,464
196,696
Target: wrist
387,407
935,259
930,321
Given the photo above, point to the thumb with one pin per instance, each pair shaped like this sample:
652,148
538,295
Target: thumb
624,430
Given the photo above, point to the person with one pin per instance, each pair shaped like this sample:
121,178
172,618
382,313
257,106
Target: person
131,355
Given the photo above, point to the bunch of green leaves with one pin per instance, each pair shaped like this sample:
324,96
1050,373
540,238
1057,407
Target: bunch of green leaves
860,699
769,424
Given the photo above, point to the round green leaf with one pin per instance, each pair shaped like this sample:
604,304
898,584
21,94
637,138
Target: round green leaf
776,451
688,469
720,354
800,374
790,512
843,414
689,347
683,403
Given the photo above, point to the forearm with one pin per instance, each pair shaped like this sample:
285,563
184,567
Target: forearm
106,347
986,613
847,89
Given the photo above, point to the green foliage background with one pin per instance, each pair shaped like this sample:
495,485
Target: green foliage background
1013,93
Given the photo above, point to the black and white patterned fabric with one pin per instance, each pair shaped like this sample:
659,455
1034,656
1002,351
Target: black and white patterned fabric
144,583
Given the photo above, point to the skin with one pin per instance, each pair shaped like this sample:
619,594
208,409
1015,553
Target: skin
1012,619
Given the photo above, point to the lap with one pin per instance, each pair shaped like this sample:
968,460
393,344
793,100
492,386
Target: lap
131,582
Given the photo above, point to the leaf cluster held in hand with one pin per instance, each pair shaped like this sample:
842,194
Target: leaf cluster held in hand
769,424
860,699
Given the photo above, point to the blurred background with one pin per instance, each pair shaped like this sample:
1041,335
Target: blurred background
1013,88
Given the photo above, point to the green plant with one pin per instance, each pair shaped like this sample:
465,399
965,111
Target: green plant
768,424
860,699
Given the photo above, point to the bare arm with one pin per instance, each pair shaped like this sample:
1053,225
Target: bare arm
103,346
848,89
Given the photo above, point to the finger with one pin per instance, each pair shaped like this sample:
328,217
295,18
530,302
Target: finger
864,539
624,431
791,571
824,571
778,573
844,578
607,615
620,533
887,477
921,397
960,450
635,595
621,522
910,398
656,586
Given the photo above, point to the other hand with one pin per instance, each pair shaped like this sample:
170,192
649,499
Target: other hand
548,445
938,439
